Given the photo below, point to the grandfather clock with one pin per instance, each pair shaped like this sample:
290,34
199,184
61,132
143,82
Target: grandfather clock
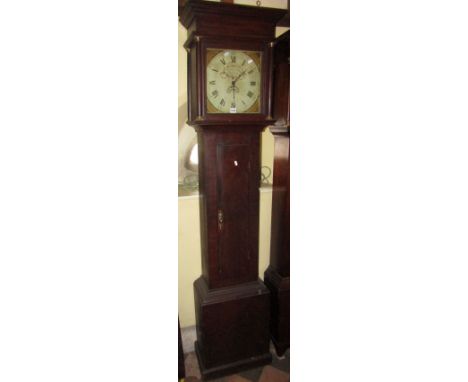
230,71
277,275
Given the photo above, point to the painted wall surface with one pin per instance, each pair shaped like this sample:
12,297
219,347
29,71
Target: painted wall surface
182,64
189,216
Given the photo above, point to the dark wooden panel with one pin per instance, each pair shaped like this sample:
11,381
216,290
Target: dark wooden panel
212,18
181,356
279,247
233,209
281,94
180,7
240,338
230,254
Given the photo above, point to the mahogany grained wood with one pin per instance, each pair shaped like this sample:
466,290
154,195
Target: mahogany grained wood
279,309
232,327
281,93
232,305
277,275
180,8
283,22
222,19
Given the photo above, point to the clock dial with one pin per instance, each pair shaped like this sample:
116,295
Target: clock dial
233,81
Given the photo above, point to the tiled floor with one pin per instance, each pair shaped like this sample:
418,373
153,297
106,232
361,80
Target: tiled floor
277,371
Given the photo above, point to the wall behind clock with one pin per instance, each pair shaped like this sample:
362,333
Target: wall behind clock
189,253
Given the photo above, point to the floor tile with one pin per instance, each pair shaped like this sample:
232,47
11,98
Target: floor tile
191,366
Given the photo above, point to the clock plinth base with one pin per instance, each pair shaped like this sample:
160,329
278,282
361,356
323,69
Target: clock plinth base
232,327
279,308
235,367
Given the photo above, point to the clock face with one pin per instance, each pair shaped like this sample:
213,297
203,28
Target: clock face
233,81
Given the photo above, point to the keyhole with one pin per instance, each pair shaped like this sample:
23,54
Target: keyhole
235,163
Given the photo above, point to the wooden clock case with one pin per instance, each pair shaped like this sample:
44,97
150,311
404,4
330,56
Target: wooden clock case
227,26
231,303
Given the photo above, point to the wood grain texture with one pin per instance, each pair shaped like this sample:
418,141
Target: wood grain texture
222,19
229,180
232,327
180,8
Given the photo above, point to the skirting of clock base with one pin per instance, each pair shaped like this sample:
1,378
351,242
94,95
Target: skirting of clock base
279,309
226,369
232,327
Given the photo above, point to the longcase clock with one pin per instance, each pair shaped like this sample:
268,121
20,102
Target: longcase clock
230,71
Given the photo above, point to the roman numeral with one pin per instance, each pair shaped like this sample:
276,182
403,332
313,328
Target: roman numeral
222,102
250,71
243,102
214,93
214,70
250,94
212,82
222,61
243,62
233,105
253,83
233,58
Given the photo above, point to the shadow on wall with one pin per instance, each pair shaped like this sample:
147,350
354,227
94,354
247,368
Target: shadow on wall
188,167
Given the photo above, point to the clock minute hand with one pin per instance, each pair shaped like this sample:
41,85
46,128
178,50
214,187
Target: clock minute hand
239,76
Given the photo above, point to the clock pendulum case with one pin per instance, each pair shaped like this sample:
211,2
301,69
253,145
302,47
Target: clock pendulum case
230,49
